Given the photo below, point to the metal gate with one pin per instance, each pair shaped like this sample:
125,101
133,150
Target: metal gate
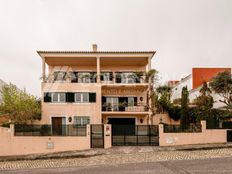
133,135
229,135
97,136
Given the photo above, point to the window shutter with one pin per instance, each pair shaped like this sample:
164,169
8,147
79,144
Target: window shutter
102,77
103,103
135,101
92,97
118,78
70,97
111,76
47,97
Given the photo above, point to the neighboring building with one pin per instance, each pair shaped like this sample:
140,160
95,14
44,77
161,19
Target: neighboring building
94,87
2,83
194,83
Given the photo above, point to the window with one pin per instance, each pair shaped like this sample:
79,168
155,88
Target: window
84,77
131,101
55,97
58,97
106,76
78,97
59,76
112,103
82,97
128,78
81,120
62,97
85,97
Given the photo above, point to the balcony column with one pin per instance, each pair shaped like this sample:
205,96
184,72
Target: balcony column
149,64
43,70
98,70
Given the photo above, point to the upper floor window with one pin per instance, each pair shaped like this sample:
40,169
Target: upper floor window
106,76
82,97
60,76
58,97
129,77
70,97
83,77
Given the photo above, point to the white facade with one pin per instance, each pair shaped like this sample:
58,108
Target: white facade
193,93
177,89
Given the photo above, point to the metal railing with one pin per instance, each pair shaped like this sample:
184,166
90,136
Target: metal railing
216,124
135,135
125,107
178,128
50,130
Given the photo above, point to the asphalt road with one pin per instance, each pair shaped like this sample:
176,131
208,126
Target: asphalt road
212,166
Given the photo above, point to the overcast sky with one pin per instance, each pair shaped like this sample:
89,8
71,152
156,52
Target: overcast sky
185,33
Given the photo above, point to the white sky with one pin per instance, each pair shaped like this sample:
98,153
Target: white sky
185,33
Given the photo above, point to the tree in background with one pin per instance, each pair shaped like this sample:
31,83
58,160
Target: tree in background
222,85
184,119
163,98
151,78
19,106
204,100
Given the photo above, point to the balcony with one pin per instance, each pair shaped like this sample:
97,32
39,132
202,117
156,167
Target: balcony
120,78
125,107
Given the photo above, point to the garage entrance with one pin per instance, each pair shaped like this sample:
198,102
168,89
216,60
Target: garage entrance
119,123
125,132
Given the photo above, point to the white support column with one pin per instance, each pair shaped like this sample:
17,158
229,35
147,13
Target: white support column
43,70
149,64
98,70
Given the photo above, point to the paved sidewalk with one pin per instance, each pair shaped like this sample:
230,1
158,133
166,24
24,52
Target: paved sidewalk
115,150
144,156
117,155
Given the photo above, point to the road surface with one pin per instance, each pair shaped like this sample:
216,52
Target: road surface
204,166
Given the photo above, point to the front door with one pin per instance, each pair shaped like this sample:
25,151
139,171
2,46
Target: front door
57,126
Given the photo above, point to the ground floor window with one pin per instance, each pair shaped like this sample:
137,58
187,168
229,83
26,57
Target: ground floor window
81,120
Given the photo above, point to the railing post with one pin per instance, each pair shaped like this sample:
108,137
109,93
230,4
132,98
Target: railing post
137,133
12,129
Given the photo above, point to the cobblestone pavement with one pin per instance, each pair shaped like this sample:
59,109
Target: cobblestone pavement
120,158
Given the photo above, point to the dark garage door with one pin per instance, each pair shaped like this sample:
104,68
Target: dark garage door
126,133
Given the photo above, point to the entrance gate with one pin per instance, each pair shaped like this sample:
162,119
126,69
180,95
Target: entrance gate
97,136
229,135
134,135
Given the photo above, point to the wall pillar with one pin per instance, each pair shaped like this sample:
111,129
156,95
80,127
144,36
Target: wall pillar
203,125
12,129
107,136
161,135
149,64
98,70
43,70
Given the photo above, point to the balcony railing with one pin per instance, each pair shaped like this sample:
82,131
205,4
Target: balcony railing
91,77
50,130
124,108
179,129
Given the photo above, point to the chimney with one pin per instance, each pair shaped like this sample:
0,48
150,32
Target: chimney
94,46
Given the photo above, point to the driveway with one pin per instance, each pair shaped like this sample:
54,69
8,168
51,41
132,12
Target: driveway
212,166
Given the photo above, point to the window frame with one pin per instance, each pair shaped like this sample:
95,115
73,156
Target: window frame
58,97
82,97
64,76
81,120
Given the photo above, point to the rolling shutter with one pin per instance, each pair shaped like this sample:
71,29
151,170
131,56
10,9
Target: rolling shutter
135,101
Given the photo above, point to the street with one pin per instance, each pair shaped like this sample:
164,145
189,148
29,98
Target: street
216,165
